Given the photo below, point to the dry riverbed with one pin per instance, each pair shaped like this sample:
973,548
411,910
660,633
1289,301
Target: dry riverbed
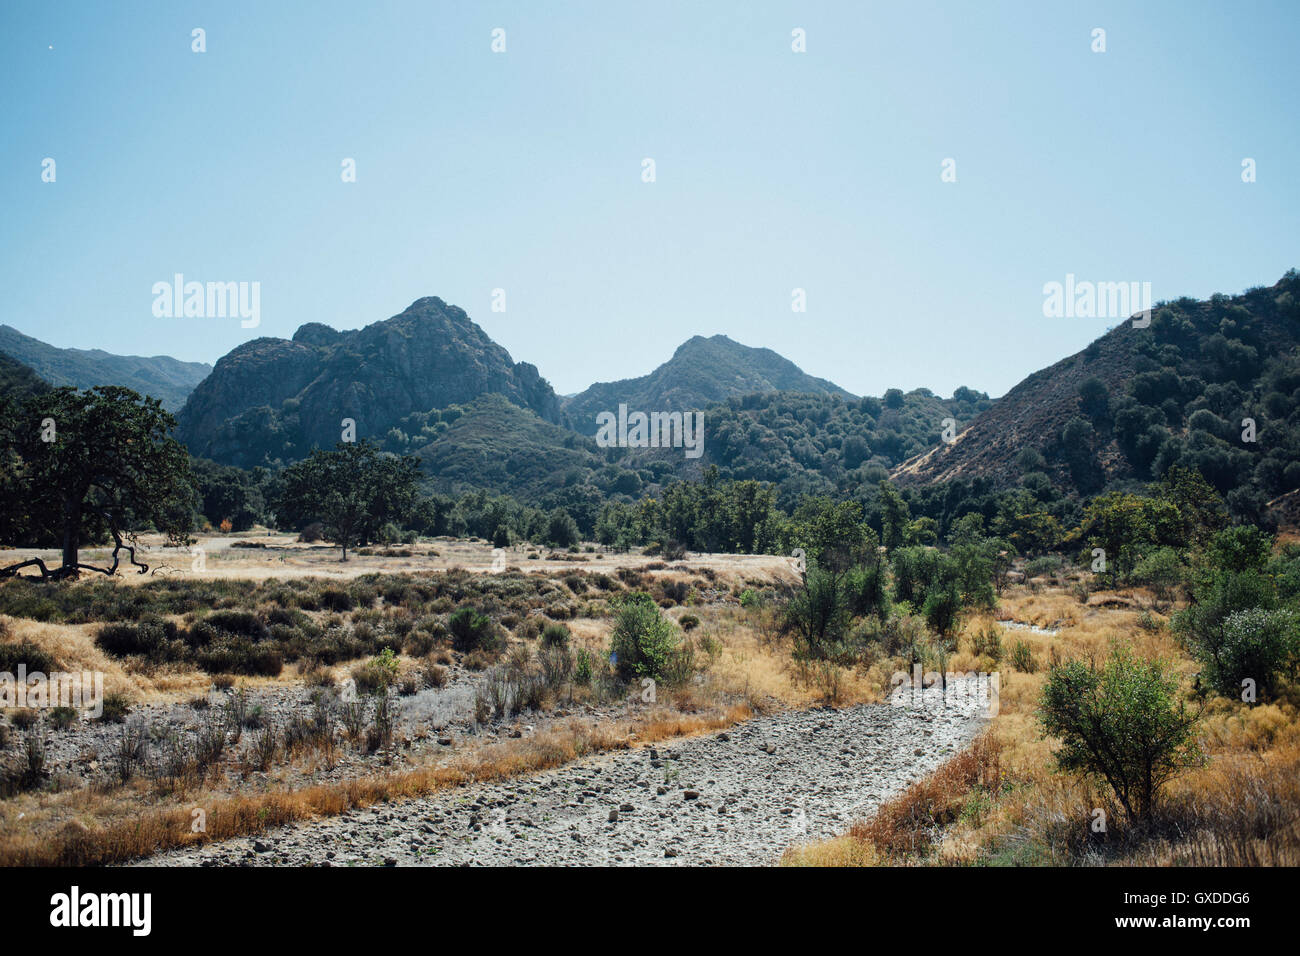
735,798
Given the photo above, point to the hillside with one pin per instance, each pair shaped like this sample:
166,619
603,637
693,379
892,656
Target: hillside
1137,401
492,444
814,444
165,378
17,381
702,372
273,399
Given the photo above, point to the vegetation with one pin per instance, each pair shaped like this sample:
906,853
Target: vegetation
1120,721
81,466
353,491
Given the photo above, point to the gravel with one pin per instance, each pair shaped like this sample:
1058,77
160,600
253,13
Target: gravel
735,798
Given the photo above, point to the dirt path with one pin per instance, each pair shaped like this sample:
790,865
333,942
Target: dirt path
736,798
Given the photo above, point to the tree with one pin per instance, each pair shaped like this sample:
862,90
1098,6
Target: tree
642,641
82,465
561,529
353,490
1125,526
1120,722
1094,399
894,517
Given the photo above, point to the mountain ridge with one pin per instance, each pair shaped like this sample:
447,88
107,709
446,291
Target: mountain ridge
702,371
168,379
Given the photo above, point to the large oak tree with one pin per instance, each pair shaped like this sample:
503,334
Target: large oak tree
82,466
352,490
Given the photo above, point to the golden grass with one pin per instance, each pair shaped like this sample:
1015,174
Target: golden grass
73,647
1242,807
906,826
104,824
137,834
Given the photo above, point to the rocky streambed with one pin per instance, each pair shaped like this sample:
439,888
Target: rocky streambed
735,798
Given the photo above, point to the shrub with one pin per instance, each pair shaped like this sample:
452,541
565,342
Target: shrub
942,608
1203,627
377,674
1162,570
1121,723
1022,657
27,654
335,599
239,655
555,635
115,707
988,643
582,669
435,675
155,639
1258,645
642,639
471,631
63,717
689,622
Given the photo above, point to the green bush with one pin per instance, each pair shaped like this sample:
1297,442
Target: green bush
115,707
157,640
1120,722
472,631
1022,658
1162,570
26,653
642,640
555,635
1259,645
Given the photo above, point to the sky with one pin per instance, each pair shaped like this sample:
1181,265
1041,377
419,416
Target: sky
522,170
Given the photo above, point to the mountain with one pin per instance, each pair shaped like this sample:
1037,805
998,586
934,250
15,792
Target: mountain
492,444
1139,400
166,379
701,372
17,381
274,399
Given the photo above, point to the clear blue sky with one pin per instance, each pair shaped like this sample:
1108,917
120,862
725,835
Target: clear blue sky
522,170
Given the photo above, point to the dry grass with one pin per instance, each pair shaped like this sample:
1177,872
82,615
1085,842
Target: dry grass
133,834
1241,808
909,825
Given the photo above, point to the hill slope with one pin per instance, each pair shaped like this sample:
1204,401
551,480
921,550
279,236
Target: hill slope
701,372
17,381
1137,401
166,379
274,399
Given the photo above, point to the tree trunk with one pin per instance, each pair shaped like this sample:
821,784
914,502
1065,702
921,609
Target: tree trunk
71,533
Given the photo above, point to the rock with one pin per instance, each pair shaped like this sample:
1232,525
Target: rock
691,795
444,741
